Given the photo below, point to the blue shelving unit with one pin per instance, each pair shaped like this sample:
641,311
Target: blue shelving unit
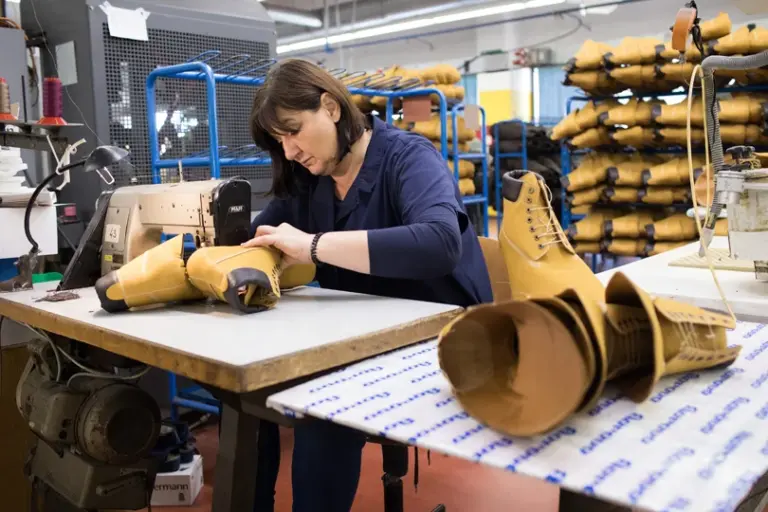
211,68
482,157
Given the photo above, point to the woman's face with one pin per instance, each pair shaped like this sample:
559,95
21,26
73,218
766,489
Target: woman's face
311,140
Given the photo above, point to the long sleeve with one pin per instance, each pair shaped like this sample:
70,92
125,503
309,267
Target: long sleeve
276,212
428,244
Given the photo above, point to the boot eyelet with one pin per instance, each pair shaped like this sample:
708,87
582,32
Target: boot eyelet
528,210
530,220
533,230
531,190
529,200
541,246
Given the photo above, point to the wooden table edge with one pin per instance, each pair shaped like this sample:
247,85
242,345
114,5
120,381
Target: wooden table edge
226,376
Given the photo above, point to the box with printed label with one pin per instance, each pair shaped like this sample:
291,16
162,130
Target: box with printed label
180,487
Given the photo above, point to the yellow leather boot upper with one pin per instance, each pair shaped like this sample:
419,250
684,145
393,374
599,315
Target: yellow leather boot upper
682,337
637,136
540,260
673,172
593,82
747,40
630,172
665,195
654,248
674,228
635,113
625,246
589,56
494,356
248,279
586,196
158,276
591,227
587,247
621,194
717,27
592,138
634,50
631,225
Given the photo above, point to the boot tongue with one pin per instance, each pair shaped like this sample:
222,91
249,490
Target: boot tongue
628,341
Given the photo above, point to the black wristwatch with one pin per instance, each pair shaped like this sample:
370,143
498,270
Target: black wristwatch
313,250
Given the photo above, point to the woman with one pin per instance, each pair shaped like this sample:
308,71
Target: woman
377,210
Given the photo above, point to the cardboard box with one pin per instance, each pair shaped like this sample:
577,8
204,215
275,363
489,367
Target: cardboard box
181,487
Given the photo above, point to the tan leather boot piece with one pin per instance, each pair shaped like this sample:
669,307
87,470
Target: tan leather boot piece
585,209
296,276
666,53
673,172
654,248
676,227
677,114
630,172
494,355
677,72
633,51
636,136
431,130
684,338
467,187
665,195
592,227
587,196
692,54
597,83
462,146
747,40
741,110
441,74
631,225
246,278
589,56
634,113
625,246
621,194
717,27
540,260
589,116
678,136
158,276
587,247
592,171
721,227
632,76
592,138
466,168
567,127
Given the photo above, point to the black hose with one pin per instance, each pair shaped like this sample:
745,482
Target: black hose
30,204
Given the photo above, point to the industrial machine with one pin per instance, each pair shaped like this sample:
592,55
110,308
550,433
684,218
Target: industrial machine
215,212
104,75
740,184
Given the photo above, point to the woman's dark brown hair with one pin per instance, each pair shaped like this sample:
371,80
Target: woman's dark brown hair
296,85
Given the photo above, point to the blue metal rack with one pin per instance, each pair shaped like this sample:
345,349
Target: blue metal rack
456,155
211,68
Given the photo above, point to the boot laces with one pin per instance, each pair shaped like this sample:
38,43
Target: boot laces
551,235
628,348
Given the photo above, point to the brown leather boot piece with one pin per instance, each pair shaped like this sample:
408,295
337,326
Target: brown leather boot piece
494,356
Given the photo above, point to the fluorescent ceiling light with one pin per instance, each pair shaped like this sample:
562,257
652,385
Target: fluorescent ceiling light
414,24
294,18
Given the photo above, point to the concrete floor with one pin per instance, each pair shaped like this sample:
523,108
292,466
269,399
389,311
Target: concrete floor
460,485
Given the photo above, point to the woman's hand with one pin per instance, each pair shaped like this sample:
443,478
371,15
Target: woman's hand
294,243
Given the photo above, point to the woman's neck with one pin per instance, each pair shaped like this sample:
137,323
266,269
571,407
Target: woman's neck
349,167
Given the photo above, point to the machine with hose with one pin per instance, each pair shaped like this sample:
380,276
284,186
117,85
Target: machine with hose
735,179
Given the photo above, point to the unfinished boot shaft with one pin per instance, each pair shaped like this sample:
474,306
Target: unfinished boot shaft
684,338
673,172
631,225
494,356
587,196
625,246
674,228
635,50
664,195
592,171
591,228
635,113
248,279
630,172
589,56
539,258
158,276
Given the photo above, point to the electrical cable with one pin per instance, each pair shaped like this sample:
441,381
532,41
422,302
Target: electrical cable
692,180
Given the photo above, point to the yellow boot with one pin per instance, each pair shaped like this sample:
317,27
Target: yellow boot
654,248
677,114
158,276
494,356
635,113
625,246
598,83
674,228
248,279
631,225
592,171
637,136
717,27
587,247
540,260
589,56
683,338
621,194
591,228
678,137
630,172
665,195
587,196
673,172
634,50
592,138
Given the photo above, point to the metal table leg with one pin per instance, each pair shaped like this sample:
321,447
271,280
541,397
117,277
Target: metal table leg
237,459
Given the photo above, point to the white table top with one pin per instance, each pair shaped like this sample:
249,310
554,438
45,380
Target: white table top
310,329
747,296
699,442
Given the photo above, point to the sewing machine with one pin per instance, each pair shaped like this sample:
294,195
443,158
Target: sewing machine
215,212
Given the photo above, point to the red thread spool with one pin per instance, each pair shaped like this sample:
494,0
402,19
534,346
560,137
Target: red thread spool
5,102
52,103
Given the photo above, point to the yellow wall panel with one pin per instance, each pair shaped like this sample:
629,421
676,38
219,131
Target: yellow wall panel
497,105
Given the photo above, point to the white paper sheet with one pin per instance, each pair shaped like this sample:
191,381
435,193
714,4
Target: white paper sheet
698,444
126,23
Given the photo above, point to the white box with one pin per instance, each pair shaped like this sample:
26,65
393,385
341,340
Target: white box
180,487
42,224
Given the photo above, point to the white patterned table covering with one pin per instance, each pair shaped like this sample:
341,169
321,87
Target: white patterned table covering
697,444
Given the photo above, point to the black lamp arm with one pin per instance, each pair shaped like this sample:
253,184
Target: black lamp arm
33,198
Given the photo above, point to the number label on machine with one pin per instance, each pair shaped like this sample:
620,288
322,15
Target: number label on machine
112,233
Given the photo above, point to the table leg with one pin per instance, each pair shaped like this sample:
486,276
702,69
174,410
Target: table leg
234,490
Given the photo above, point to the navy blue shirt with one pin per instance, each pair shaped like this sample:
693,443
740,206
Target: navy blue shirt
421,243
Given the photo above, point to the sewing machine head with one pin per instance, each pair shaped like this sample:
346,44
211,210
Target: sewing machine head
742,187
215,212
